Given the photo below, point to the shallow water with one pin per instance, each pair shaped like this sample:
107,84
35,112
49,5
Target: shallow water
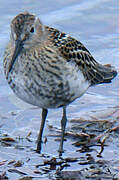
96,24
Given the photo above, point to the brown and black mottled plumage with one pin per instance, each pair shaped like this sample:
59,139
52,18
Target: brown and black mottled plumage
74,51
48,68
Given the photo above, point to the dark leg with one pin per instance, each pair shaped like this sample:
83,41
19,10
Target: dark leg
39,140
63,125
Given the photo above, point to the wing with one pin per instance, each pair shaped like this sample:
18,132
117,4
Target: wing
75,51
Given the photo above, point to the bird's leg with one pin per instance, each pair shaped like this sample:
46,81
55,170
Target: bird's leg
63,125
39,140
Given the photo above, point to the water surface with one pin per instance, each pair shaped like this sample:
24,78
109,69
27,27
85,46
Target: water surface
96,24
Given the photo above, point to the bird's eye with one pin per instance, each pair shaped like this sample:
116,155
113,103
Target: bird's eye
32,30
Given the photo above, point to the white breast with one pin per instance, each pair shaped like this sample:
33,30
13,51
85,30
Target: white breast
77,82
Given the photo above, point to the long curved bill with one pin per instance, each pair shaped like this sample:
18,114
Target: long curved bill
18,48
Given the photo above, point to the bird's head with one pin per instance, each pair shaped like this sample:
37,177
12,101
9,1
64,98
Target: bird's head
26,30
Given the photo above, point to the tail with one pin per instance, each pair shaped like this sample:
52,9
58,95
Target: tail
109,73
104,74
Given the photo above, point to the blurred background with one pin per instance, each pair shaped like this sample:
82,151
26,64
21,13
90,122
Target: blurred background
96,24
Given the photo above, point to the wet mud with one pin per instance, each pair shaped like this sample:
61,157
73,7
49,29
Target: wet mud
92,135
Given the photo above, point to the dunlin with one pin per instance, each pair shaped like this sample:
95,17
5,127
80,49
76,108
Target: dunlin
48,68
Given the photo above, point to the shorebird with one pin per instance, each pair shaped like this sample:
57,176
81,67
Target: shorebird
48,68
